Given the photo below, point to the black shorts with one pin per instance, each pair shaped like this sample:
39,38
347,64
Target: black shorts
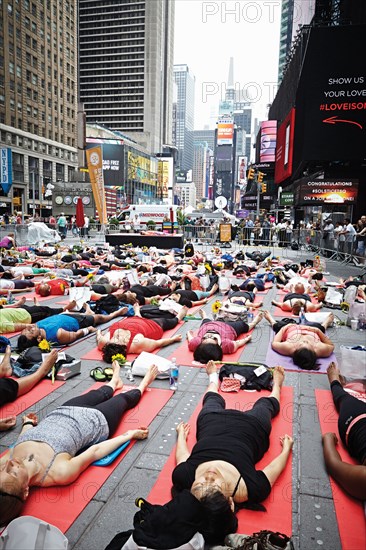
84,320
8,390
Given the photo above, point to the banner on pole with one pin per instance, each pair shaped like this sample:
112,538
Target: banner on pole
94,158
6,172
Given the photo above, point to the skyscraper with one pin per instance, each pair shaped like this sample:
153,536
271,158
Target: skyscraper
38,99
126,63
185,82
287,12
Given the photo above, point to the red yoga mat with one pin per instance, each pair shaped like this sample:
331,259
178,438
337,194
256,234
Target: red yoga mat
62,505
278,516
41,390
96,355
185,357
278,312
349,511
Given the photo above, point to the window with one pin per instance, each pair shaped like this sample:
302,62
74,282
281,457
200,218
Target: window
12,104
26,4
27,22
11,67
19,71
34,43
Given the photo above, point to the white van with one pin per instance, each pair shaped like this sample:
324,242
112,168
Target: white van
138,215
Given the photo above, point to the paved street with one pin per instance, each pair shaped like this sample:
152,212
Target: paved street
112,508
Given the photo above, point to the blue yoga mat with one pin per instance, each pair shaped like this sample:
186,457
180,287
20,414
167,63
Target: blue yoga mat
108,459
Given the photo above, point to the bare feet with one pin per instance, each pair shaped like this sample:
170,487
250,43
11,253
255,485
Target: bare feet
70,306
5,367
267,315
88,311
35,301
211,367
333,373
116,383
21,301
48,363
92,329
182,313
148,378
328,321
202,314
214,289
278,376
257,320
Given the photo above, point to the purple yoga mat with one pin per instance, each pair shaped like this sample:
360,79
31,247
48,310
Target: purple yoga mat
273,358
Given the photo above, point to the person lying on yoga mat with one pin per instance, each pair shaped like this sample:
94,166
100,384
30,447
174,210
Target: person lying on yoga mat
304,343
244,297
191,298
46,457
65,328
18,316
294,301
10,389
142,294
137,334
215,338
352,430
220,470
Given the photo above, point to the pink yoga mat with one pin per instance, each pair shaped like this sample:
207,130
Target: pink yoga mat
349,511
278,516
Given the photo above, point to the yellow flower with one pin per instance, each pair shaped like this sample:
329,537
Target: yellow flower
44,345
121,359
216,306
208,268
90,276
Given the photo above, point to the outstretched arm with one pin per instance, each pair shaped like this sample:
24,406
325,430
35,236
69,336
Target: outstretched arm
71,469
276,467
146,344
350,477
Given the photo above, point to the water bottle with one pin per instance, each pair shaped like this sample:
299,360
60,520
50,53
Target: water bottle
250,316
173,374
362,321
302,318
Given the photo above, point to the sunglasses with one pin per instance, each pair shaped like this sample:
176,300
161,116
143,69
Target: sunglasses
210,337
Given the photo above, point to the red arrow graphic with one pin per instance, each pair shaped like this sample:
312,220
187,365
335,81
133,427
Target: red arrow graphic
334,119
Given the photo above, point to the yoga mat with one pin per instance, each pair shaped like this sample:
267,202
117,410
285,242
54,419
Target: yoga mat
62,505
41,390
273,358
96,355
278,312
185,357
349,511
278,504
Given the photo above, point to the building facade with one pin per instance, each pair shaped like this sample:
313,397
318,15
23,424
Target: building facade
126,63
38,100
287,12
185,82
201,167
204,136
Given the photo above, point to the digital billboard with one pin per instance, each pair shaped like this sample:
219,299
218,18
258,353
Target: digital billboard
284,149
225,133
268,141
242,170
316,192
331,96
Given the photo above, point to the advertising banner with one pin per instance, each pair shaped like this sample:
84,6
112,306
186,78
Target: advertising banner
316,192
165,178
242,170
6,172
268,141
225,133
331,96
139,168
113,169
284,151
94,158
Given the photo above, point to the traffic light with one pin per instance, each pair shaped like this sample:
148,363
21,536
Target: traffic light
251,173
264,187
260,177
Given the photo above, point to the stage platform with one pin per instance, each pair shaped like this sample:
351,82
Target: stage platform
136,239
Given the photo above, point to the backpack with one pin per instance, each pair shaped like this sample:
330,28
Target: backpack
251,380
263,540
189,250
107,304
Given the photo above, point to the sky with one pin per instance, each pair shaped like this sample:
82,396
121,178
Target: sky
208,33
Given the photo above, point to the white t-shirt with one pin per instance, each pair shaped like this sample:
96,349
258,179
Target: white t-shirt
351,232
6,284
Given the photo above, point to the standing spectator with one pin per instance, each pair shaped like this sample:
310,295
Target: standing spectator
361,240
86,227
266,225
62,225
339,237
18,218
6,218
257,231
249,224
288,233
349,233
328,236
52,221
